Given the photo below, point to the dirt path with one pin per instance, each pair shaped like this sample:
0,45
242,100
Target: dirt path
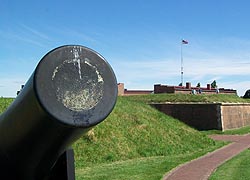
201,168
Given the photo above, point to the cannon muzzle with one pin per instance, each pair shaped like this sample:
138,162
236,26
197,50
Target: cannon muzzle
72,89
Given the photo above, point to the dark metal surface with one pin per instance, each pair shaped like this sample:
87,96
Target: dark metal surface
72,89
64,169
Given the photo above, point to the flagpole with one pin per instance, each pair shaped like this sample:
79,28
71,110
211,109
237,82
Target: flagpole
181,64
182,69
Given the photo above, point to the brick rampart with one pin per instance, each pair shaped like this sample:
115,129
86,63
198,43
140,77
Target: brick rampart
158,88
207,116
136,92
125,92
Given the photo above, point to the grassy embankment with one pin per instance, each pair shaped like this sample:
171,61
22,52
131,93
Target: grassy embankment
138,142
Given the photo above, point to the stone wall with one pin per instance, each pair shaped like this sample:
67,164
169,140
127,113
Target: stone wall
201,116
235,115
207,116
120,89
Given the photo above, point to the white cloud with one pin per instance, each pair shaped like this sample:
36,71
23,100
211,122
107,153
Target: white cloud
34,32
241,86
25,34
9,86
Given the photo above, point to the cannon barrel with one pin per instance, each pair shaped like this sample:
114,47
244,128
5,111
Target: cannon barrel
71,90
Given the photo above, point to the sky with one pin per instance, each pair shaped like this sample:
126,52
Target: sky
141,39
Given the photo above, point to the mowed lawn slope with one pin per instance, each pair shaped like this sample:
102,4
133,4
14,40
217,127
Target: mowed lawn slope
135,129
138,142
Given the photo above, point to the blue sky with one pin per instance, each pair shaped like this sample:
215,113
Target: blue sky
141,39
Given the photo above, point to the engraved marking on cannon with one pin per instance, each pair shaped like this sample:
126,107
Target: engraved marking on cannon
78,96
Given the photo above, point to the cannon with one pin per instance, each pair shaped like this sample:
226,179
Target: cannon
71,90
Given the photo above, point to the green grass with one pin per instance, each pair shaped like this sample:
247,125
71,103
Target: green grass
243,130
235,168
149,168
239,131
189,98
4,103
135,130
136,141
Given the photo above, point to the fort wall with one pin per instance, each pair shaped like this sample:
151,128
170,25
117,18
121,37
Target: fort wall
208,116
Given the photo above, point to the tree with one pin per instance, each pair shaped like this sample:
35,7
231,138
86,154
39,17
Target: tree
213,84
198,85
247,94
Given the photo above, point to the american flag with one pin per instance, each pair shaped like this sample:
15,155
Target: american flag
184,42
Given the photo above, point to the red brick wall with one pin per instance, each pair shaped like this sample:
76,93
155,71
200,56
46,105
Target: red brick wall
136,92
125,92
158,88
